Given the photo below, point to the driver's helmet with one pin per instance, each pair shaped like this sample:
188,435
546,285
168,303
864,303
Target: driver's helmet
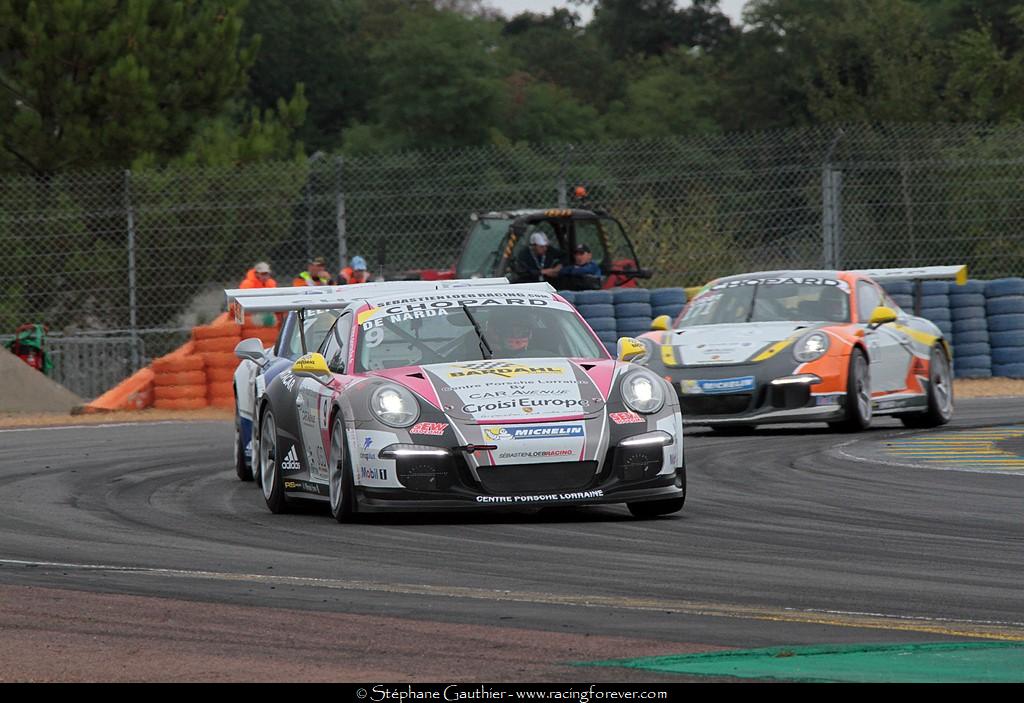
512,330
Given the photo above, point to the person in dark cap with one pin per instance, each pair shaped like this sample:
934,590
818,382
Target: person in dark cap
584,274
315,275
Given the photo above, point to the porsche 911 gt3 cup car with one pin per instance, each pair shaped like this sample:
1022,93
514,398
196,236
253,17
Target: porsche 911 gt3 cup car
459,395
785,346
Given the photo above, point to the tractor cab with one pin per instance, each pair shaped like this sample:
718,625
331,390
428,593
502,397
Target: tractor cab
497,240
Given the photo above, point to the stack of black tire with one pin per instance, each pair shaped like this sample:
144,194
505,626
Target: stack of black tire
598,308
667,301
625,312
1004,303
972,355
633,312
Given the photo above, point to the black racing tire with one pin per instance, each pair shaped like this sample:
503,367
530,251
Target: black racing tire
654,508
858,395
270,465
940,393
342,491
242,469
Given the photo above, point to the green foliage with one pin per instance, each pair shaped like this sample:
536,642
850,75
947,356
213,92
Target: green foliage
96,83
669,95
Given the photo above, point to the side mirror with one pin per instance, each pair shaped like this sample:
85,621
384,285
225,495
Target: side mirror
630,349
880,316
251,349
661,323
312,365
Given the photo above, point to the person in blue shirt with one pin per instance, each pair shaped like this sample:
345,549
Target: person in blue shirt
584,274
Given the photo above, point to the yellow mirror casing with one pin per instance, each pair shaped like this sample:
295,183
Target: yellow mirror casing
630,349
313,365
882,315
661,323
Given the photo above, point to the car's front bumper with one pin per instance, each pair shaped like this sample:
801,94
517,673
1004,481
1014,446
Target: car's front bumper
749,394
462,498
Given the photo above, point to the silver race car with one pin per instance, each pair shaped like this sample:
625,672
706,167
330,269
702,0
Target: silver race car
795,346
459,395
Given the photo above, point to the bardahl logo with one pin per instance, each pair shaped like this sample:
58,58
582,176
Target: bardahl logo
503,370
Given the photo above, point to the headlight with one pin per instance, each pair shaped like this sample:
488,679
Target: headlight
643,392
394,406
810,347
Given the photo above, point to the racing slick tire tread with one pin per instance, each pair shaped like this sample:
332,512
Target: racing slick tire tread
934,415
856,419
243,471
345,510
276,500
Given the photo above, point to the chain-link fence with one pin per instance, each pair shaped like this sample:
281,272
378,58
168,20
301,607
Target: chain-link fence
141,253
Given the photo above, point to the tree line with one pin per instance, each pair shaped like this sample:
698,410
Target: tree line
136,83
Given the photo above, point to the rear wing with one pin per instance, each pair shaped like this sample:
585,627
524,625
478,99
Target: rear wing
919,273
255,300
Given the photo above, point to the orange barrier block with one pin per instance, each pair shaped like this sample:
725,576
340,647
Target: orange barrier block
222,402
220,374
180,403
221,360
217,344
216,331
179,392
133,393
181,378
221,388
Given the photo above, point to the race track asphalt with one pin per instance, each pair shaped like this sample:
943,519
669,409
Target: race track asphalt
783,541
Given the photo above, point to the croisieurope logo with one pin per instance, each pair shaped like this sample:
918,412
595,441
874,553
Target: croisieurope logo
502,370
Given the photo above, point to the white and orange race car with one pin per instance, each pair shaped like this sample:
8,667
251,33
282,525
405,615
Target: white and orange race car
796,346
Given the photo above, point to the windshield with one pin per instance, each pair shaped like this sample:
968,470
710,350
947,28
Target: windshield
473,332
765,300
482,248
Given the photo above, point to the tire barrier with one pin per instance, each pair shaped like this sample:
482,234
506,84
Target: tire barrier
1005,323
974,349
591,297
969,337
671,310
935,288
590,310
1003,287
216,330
197,391
668,296
1010,338
971,324
602,324
1004,307
631,295
180,378
960,301
180,404
899,287
267,335
633,311
936,314
1008,370
929,302
904,300
1007,305
570,296
176,364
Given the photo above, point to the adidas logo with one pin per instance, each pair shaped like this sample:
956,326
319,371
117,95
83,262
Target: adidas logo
291,462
